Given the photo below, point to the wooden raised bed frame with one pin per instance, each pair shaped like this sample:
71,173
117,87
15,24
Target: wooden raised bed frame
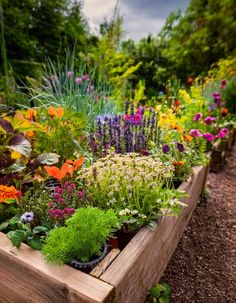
26,278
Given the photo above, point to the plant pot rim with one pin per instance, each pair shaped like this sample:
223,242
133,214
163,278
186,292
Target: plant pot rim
90,264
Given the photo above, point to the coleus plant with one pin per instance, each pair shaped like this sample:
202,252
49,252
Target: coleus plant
16,150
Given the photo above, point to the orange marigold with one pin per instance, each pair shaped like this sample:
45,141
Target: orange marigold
8,192
188,138
178,163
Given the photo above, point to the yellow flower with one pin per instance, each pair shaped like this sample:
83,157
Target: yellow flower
167,120
185,96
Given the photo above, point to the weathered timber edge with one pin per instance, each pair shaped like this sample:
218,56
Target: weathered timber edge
143,261
26,278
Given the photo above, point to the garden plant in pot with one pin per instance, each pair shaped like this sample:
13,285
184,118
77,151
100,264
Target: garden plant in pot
82,241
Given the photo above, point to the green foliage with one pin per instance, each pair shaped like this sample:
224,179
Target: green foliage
19,232
229,95
132,185
160,293
82,237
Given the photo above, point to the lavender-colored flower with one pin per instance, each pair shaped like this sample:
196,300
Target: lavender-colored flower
70,74
195,133
165,148
197,117
27,217
208,137
103,56
180,147
211,107
85,77
78,80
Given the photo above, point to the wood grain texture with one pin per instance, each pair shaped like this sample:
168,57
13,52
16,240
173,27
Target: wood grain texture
26,277
143,261
103,265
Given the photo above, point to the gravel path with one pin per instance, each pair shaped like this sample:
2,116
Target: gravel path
203,268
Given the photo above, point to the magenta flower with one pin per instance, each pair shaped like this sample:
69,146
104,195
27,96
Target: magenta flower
70,74
223,84
78,80
209,120
195,133
208,137
197,117
223,133
85,77
217,97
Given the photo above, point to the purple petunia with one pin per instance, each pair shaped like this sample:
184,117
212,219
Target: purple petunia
195,133
165,148
27,217
223,133
180,147
209,137
197,117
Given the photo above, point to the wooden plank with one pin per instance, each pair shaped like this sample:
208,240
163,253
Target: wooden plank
145,258
26,277
102,266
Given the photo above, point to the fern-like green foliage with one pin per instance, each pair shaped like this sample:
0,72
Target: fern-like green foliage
82,237
199,148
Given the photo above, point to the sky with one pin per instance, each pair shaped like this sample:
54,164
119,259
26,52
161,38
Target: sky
141,17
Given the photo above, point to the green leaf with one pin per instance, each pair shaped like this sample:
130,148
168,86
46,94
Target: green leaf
155,292
16,167
46,159
16,237
40,229
35,243
164,299
152,225
20,144
4,225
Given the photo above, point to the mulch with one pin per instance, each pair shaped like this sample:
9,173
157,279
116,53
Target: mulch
203,267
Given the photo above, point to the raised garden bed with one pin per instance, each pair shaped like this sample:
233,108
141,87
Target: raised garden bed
123,276
220,151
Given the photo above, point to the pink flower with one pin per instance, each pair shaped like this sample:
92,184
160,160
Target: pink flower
223,84
208,137
78,80
195,133
223,133
85,77
197,117
70,74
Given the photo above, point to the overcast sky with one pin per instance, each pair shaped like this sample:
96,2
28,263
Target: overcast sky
141,17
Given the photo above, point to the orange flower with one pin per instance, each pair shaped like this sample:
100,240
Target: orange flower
30,134
31,113
178,128
8,193
188,138
56,112
178,163
224,112
67,168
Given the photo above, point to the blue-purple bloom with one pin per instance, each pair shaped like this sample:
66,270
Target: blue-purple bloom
180,147
165,148
27,217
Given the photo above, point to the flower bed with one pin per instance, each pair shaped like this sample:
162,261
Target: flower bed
24,274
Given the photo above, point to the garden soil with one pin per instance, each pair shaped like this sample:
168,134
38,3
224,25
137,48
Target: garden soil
203,267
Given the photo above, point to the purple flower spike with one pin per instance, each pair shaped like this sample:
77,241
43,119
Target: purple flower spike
27,217
197,117
165,148
70,74
78,80
208,137
180,147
